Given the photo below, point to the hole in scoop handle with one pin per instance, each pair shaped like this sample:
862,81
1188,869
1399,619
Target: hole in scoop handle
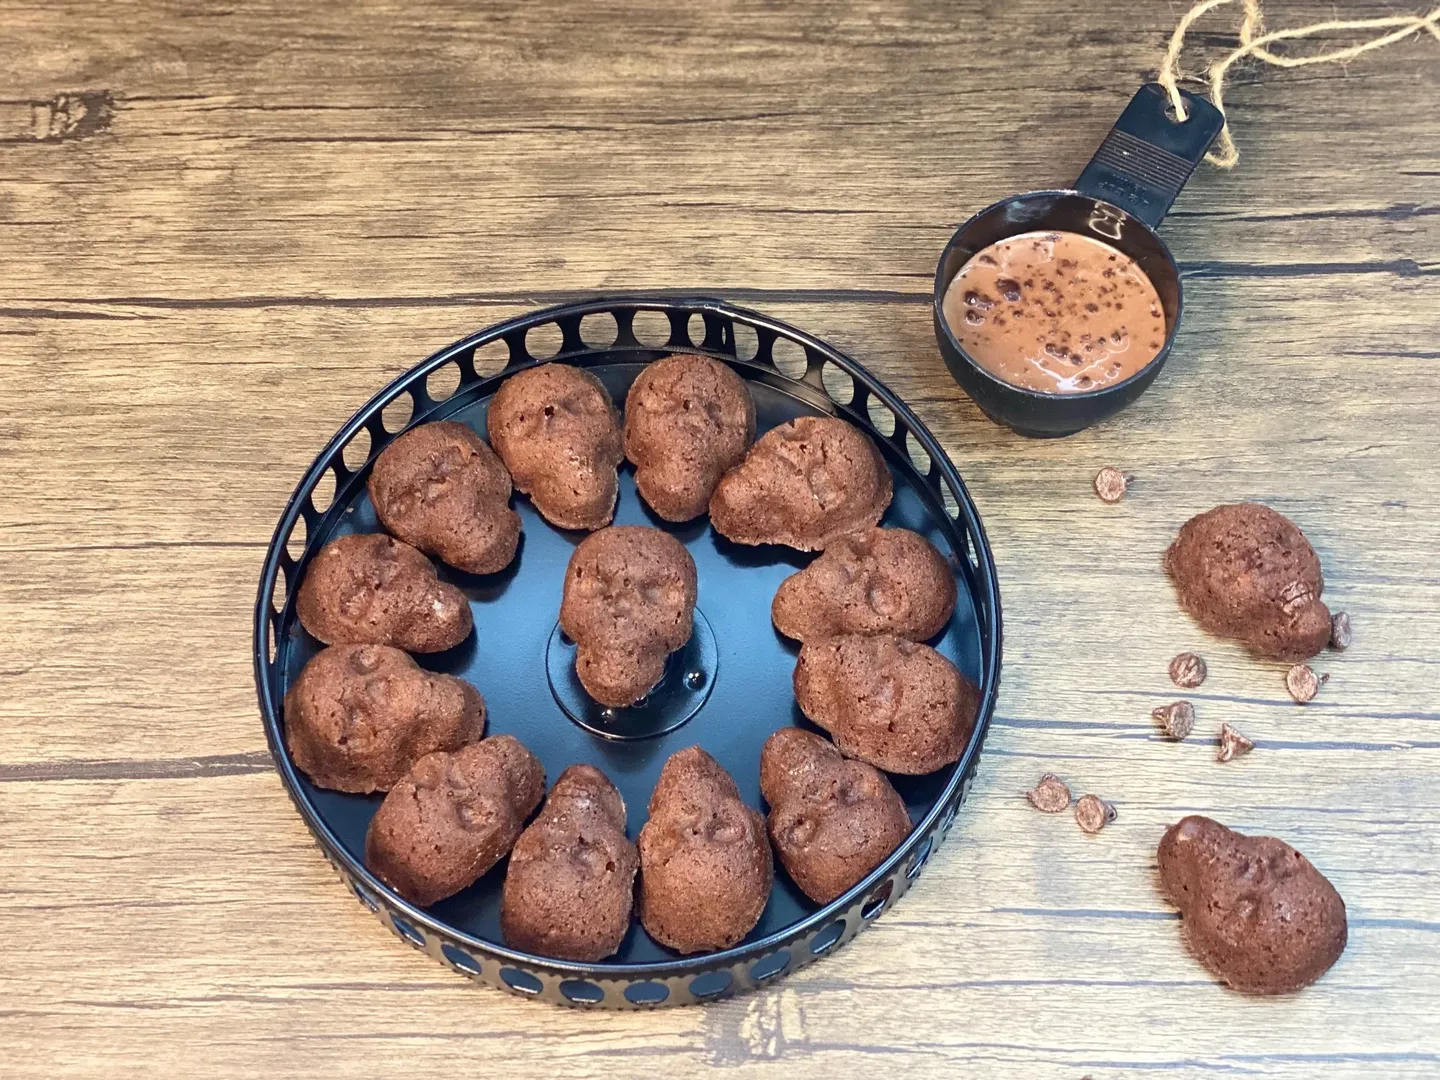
1147,157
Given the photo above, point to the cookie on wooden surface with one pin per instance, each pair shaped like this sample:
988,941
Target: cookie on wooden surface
1254,911
1244,571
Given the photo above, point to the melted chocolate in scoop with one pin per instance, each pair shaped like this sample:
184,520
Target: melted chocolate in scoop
1055,312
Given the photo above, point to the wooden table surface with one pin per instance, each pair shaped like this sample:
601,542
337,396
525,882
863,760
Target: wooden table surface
223,227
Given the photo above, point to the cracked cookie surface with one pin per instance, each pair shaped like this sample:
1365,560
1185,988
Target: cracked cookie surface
440,488
557,431
874,581
803,484
570,884
688,419
832,819
1254,911
1244,571
628,603
371,589
896,704
705,862
359,716
452,817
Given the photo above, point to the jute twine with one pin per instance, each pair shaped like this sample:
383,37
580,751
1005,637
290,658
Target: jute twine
1253,23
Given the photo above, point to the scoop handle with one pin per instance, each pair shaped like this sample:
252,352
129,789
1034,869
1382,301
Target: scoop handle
1147,157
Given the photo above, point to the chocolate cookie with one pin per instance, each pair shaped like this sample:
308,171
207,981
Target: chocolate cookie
628,604
1246,572
452,817
556,429
832,820
875,581
899,705
440,488
705,865
570,884
804,484
370,589
359,716
687,420
1255,912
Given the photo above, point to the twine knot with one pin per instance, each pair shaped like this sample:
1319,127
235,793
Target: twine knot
1252,24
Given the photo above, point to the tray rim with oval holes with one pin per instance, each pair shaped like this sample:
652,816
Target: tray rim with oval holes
750,964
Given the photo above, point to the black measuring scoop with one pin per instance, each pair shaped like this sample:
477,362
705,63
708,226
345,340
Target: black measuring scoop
1119,199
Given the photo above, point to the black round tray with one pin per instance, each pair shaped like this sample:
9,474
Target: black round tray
744,699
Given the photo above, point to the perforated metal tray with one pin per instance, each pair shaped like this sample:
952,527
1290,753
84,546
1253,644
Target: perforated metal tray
727,692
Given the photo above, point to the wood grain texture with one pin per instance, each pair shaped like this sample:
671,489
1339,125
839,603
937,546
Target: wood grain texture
222,228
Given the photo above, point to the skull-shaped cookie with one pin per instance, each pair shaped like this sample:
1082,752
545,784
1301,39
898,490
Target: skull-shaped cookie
359,716
874,581
628,603
440,488
452,817
556,429
687,419
705,864
1246,572
803,484
1254,911
832,820
570,885
897,704
371,589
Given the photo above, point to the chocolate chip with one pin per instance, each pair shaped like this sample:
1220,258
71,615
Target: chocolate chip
1177,718
1188,670
1050,795
1340,635
1232,744
1093,813
1110,484
1303,683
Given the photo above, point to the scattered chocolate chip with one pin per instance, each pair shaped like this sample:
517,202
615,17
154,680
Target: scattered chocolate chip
1050,795
1177,718
1188,670
1110,484
1093,813
1302,682
1232,744
1340,635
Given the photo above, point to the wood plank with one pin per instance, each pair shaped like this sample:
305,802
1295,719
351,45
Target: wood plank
1018,913
501,163
161,520
224,410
